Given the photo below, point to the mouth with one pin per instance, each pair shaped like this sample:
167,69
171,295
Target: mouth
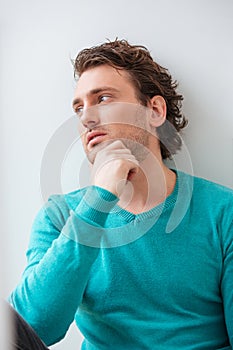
95,137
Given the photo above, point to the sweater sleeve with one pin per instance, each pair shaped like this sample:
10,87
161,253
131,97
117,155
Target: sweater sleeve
59,262
227,279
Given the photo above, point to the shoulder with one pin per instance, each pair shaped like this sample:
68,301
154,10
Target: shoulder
209,200
205,188
217,193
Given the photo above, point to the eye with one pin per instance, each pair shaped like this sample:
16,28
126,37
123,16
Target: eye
104,98
79,111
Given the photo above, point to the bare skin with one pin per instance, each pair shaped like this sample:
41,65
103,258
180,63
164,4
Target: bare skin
125,156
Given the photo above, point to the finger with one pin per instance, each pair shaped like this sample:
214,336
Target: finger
116,144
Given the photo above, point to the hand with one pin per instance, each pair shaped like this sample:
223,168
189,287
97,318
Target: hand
114,165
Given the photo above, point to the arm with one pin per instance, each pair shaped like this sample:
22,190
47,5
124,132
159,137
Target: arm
64,245
227,278
58,268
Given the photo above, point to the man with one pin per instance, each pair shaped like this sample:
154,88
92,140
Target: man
143,257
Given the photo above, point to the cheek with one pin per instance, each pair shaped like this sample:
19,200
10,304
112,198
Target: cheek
81,128
83,142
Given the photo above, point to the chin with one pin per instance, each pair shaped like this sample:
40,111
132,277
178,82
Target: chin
91,154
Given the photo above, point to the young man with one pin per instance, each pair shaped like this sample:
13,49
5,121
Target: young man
143,257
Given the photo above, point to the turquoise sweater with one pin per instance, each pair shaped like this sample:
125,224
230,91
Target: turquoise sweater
162,279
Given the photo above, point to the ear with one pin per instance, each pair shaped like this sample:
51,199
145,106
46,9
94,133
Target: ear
159,111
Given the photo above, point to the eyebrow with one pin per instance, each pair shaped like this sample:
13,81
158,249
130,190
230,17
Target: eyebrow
94,92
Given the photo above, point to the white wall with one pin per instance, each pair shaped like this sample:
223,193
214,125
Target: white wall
193,38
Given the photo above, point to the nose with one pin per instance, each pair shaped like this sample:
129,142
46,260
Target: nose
90,117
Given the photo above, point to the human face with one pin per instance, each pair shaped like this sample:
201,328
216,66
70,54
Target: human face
105,91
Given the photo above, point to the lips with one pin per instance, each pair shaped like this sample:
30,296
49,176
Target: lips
94,137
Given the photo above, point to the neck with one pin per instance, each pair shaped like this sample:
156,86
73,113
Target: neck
149,187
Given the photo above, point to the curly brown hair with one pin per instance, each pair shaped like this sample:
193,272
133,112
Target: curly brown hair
149,78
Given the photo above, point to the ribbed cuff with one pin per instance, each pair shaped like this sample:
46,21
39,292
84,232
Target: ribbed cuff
96,205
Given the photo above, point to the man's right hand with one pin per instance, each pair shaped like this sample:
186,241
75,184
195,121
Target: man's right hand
114,165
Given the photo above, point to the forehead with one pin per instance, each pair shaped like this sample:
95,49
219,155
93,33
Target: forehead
103,75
